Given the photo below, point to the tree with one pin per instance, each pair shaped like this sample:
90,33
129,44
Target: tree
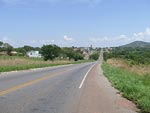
1,46
1,43
50,52
21,51
8,48
94,56
28,48
69,52
25,49
78,56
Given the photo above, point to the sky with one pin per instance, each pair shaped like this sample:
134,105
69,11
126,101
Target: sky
101,23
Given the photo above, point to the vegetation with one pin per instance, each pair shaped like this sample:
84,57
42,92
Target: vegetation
94,56
52,55
23,50
133,86
133,55
14,63
50,52
12,59
137,44
6,47
139,69
128,68
71,54
1,43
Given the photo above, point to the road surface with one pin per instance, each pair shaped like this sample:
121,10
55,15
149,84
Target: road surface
78,88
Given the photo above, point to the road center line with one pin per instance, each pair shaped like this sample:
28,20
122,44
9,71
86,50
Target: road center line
12,89
85,77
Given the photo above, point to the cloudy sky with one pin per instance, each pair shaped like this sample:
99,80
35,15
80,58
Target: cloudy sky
74,22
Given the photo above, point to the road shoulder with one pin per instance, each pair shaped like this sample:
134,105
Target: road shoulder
98,96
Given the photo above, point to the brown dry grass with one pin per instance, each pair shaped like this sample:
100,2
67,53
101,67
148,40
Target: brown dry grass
28,61
14,63
139,69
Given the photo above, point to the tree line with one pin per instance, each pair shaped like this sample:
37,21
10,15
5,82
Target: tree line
6,47
49,52
138,55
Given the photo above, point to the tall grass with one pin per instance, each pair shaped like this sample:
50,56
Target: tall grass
133,86
15,63
140,69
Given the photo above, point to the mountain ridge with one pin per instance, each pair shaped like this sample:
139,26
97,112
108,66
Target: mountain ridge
137,44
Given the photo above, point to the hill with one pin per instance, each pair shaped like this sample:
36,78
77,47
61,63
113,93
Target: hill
137,44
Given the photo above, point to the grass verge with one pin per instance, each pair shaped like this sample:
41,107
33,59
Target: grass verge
133,86
7,68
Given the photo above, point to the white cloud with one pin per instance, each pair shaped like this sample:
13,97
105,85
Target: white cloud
122,39
52,41
66,38
32,42
105,41
5,39
147,32
143,36
44,41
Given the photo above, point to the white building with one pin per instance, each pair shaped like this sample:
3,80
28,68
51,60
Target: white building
34,54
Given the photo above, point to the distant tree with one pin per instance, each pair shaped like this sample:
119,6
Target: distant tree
37,49
78,56
71,54
25,49
94,56
1,48
136,55
50,52
106,55
8,48
1,43
21,50
28,48
68,52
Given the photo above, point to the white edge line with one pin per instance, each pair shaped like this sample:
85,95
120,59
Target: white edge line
85,77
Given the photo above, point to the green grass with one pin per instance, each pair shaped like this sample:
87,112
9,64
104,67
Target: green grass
133,86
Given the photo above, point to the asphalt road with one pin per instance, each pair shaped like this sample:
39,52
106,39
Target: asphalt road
78,88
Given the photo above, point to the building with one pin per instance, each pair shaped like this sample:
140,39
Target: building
34,54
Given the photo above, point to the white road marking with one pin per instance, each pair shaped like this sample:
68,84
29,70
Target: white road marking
85,77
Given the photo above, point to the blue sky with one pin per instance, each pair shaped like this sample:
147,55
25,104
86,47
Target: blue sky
74,22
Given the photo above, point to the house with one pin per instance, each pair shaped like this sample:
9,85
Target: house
34,54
